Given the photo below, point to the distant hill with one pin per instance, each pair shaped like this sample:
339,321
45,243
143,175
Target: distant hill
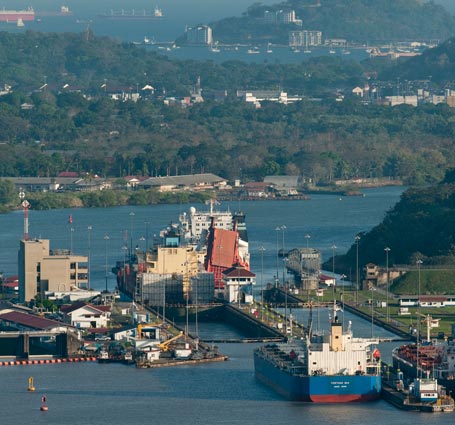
439,63
420,226
355,20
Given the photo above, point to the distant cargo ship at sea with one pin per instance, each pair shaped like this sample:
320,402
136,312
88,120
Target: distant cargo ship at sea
64,11
14,15
133,14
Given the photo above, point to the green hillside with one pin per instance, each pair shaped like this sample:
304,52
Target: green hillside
358,21
421,226
437,64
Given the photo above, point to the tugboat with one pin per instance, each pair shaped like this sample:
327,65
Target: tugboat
103,357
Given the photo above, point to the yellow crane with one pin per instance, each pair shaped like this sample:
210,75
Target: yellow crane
164,346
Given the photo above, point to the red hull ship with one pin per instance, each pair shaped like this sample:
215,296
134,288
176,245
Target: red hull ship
15,15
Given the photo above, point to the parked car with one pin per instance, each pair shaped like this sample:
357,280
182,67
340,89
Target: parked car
102,338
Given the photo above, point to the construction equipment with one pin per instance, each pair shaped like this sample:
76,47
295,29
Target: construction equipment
164,346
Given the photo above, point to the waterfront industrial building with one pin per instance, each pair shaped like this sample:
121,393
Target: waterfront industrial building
42,270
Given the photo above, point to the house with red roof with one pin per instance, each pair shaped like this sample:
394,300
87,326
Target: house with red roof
18,321
238,282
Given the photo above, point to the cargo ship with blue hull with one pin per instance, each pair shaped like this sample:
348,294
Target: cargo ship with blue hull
332,368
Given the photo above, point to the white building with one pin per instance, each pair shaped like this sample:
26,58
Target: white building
235,280
305,38
284,17
199,35
84,316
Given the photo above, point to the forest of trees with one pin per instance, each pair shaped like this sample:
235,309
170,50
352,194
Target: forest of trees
83,130
359,21
421,226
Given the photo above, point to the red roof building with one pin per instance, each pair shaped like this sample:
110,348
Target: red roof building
24,321
237,282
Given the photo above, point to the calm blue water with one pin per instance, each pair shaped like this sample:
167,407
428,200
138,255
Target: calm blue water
221,393
328,220
178,15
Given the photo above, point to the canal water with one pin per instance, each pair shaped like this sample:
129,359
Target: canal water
219,393
327,220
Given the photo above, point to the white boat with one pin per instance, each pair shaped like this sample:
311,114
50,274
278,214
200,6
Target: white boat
149,40
253,51
214,48
20,23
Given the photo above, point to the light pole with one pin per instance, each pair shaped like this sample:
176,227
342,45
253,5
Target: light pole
419,263
283,228
262,249
131,231
89,231
285,286
372,309
342,277
124,249
333,270
357,239
147,223
187,294
387,250
106,238
71,240
277,229
307,237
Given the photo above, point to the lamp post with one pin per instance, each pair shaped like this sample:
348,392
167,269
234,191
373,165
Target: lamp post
187,305
89,236
283,228
307,237
333,270
357,239
147,223
371,287
71,240
285,286
131,231
277,229
106,238
387,250
262,249
124,249
419,263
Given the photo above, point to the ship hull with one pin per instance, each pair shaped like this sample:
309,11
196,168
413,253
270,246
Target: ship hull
318,389
6,16
409,370
130,17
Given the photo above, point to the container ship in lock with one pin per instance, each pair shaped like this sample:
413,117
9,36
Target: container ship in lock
331,368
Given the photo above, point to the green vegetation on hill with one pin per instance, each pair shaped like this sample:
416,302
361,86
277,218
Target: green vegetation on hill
437,65
355,20
432,281
53,129
421,226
